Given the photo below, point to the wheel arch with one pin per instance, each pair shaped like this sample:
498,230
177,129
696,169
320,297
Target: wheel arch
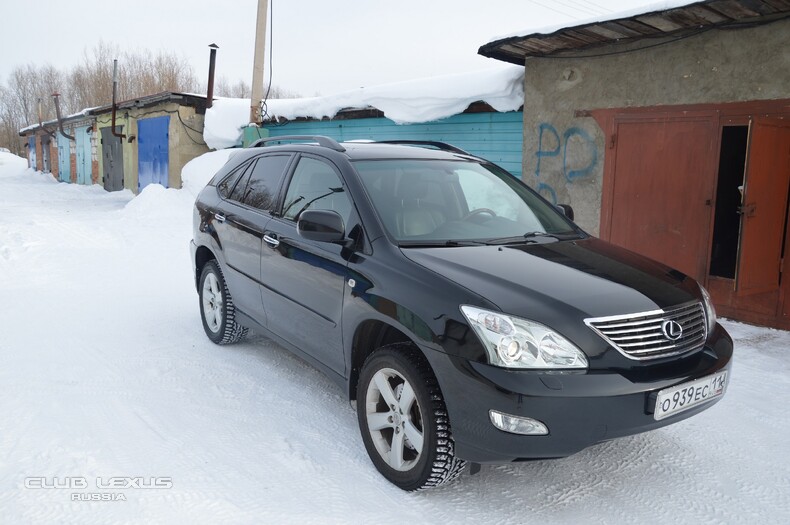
368,337
202,256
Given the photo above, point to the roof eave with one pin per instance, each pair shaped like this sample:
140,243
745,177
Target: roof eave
666,23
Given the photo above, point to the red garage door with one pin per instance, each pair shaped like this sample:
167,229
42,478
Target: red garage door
663,188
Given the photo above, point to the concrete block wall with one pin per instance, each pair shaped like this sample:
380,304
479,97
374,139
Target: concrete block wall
73,159
184,144
96,175
564,150
53,157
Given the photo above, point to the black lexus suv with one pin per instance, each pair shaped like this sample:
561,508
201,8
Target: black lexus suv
470,319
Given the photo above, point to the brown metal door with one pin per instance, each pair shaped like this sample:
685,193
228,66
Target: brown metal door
663,186
765,207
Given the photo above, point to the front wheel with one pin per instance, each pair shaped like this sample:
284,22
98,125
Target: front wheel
403,419
216,307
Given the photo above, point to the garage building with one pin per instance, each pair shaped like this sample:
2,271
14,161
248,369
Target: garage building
669,133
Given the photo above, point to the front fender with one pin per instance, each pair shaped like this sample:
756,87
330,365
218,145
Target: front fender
421,304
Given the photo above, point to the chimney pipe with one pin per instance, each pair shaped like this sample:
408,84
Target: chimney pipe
114,93
212,62
56,96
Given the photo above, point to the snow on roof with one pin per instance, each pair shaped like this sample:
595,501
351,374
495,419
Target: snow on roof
408,102
82,113
646,7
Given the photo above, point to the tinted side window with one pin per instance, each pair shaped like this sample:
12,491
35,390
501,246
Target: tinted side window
265,178
315,186
244,175
225,187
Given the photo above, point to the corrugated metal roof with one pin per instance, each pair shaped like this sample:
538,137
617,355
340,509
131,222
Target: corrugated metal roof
184,99
677,22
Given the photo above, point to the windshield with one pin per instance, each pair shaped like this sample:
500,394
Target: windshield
445,201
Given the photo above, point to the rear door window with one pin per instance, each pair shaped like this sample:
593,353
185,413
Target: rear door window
260,185
225,187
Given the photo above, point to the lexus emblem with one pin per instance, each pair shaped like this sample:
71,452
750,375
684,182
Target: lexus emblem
672,330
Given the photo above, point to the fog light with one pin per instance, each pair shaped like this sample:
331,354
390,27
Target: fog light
518,425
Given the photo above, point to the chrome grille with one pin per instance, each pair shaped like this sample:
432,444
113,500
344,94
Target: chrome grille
642,335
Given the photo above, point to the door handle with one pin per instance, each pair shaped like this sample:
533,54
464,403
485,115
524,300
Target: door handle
270,240
219,217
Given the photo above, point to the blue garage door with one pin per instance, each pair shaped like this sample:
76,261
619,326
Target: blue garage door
152,154
31,151
84,165
64,158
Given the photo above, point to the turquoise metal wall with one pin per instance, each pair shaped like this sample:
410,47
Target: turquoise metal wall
497,137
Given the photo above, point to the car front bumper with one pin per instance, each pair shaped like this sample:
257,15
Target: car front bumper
580,408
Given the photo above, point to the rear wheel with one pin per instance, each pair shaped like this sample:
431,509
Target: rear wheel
403,419
216,307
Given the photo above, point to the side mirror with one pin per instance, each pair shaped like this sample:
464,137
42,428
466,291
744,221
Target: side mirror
566,210
321,226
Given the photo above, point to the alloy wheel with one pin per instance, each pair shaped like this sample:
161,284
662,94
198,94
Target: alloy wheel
394,419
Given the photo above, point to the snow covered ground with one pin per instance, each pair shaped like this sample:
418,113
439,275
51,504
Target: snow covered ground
105,372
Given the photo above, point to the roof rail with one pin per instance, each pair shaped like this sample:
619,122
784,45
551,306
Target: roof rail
320,139
438,145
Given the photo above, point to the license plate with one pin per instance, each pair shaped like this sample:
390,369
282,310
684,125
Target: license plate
682,397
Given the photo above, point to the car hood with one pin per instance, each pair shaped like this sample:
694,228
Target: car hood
549,282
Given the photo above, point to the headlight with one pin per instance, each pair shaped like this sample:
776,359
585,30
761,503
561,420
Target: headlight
710,312
518,343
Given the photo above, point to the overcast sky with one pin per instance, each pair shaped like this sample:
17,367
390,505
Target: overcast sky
320,46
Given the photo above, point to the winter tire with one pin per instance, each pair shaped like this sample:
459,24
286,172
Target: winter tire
216,307
403,419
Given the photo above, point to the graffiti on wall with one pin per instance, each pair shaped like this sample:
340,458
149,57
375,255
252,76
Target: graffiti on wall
575,151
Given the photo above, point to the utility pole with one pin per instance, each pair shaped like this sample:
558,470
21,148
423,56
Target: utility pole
257,66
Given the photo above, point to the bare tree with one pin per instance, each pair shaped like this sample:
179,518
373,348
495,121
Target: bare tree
223,88
89,84
11,121
242,89
139,73
28,85
24,100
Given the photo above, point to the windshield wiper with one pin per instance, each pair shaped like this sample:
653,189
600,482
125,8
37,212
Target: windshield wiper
438,244
529,237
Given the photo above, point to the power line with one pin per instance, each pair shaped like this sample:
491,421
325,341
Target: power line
601,8
550,8
579,8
